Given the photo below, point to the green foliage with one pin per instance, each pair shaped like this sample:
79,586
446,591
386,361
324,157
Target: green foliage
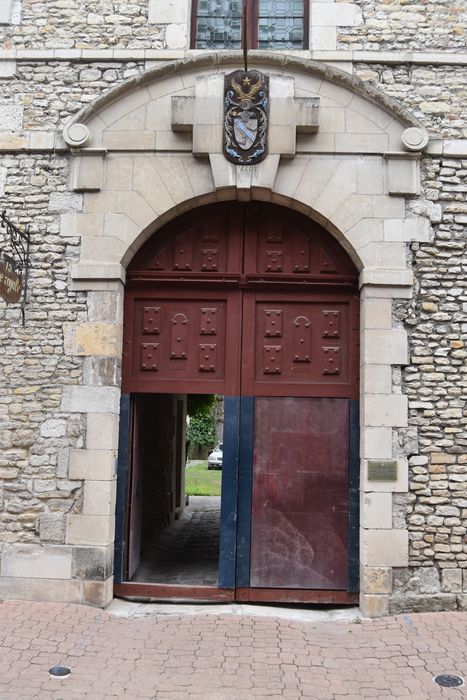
202,427
199,402
199,481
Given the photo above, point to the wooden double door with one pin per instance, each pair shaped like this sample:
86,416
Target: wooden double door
258,304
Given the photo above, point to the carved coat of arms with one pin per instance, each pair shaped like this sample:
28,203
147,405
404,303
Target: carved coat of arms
246,111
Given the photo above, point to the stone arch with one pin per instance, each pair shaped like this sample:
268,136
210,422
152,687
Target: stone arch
151,149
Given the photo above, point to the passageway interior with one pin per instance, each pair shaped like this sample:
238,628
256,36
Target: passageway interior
187,551
175,503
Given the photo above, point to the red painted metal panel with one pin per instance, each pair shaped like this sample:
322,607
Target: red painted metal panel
300,493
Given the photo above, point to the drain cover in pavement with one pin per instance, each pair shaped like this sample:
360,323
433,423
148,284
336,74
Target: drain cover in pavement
449,681
59,671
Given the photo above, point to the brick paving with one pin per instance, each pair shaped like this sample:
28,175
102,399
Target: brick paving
225,656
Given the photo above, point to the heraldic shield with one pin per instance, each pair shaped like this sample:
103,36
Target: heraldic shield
246,111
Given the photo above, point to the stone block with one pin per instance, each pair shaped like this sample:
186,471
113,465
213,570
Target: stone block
376,511
376,443
282,111
384,547
223,172
7,68
332,120
385,346
119,172
451,580
377,314
87,172
381,410
11,117
90,529
361,143
102,371
135,121
207,138
282,139
307,114
65,202
52,527
403,176
412,603
97,465
41,590
417,229
101,431
125,140
105,306
370,175
429,579
86,339
176,36
98,593
99,497
323,38
345,14
386,255
376,379
376,580
87,399
182,115
36,561
374,605
92,563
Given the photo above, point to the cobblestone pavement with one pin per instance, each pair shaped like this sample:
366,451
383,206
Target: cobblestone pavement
225,656
187,552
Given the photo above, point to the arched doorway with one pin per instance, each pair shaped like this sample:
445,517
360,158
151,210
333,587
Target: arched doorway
260,305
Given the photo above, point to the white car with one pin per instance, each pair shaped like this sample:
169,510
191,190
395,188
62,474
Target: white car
215,457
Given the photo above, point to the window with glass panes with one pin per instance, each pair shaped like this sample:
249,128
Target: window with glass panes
272,24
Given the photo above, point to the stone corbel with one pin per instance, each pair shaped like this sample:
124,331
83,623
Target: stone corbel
88,163
402,173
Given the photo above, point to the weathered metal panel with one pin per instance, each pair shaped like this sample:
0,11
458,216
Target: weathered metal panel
300,493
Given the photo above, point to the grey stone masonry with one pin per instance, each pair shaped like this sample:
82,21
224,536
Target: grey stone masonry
365,171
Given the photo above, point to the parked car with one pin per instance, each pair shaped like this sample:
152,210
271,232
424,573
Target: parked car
215,457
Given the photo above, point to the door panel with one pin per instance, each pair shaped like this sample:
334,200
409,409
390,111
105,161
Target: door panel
300,493
298,345
182,342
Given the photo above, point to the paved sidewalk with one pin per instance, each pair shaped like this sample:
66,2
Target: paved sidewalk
227,656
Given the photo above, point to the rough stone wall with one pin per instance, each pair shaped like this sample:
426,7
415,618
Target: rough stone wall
36,434
434,94
47,94
82,24
435,381
407,24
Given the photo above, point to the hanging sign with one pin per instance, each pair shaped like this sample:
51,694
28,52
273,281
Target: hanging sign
11,280
246,113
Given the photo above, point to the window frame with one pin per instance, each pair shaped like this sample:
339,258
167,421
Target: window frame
253,11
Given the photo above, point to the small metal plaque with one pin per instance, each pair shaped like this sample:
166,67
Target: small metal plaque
382,470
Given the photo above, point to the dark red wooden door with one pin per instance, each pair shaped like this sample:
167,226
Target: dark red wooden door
253,301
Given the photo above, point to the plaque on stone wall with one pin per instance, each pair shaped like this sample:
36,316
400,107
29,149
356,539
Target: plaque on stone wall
246,113
382,470
11,282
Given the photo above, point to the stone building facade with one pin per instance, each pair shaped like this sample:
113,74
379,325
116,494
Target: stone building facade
96,156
